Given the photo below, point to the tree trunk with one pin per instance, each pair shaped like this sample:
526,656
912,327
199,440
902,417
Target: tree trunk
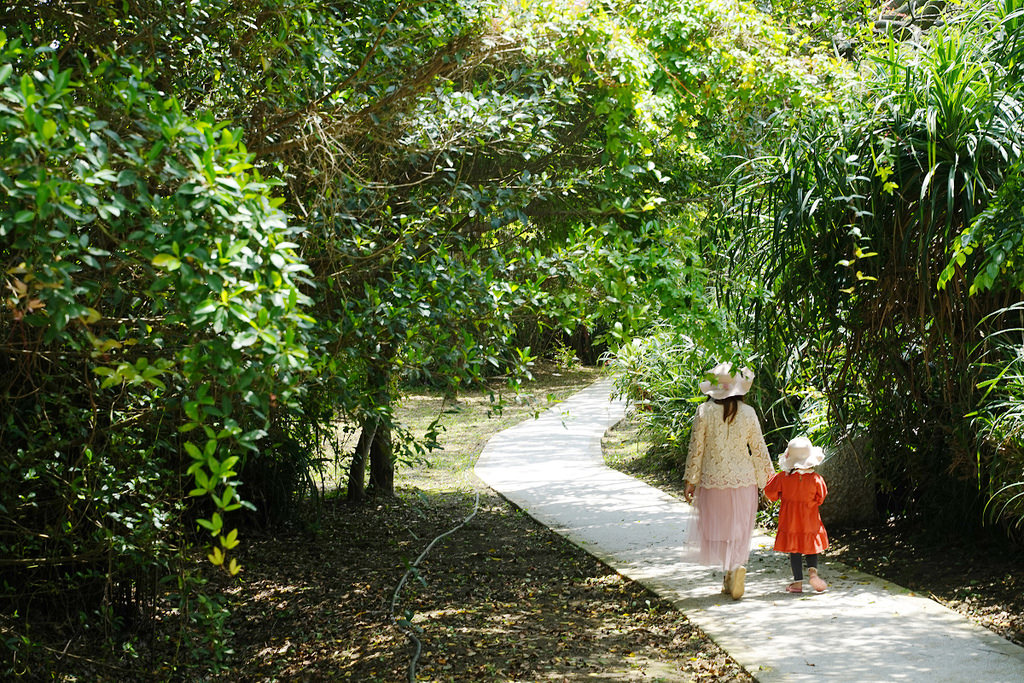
357,470
374,447
382,463
910,16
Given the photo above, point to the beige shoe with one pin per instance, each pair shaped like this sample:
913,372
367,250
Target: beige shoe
738,575
817,583
727,584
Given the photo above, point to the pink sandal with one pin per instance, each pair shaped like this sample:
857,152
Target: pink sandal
817,583
795,587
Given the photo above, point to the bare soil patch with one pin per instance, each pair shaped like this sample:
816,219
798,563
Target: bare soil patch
501,599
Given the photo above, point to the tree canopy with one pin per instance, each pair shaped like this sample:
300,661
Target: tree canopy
231,228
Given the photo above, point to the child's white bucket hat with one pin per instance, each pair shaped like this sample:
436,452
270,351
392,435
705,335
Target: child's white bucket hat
800,455
722,382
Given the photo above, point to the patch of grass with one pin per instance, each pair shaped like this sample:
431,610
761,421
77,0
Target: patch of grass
466,423
469,421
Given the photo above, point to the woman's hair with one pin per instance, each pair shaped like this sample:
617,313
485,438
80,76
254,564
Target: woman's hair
730,406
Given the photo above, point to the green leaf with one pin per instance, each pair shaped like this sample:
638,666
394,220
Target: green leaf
231,540
167,261
245,338
227,498
206,307
202,480
193,451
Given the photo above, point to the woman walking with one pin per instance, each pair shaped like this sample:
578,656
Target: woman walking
727,463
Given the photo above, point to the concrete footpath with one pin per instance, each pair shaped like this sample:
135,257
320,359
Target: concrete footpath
862,629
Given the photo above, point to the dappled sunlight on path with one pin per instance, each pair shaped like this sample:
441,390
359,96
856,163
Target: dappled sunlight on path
862,629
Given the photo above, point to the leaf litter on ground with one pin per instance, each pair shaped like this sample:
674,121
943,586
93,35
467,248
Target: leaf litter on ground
502,599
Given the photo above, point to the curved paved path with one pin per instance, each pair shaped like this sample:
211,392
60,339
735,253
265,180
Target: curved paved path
863,629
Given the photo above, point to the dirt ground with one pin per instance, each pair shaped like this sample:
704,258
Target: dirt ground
500,598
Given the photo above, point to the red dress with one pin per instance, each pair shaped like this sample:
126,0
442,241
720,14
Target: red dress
800,527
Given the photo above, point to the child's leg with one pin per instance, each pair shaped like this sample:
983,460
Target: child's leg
796,562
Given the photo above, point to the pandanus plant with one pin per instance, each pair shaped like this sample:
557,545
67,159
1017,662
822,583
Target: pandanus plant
854,227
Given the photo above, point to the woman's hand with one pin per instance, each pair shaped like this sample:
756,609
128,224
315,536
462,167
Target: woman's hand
688,492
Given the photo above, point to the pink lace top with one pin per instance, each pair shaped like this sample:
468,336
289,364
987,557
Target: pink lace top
725,455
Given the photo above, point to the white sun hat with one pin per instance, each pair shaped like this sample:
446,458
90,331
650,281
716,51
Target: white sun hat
722,382
800,455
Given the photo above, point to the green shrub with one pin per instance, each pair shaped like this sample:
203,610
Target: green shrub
150,283
658,375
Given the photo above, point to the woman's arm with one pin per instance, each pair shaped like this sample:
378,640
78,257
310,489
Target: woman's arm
759,450
695,455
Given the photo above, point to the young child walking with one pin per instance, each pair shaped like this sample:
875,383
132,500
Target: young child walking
800,532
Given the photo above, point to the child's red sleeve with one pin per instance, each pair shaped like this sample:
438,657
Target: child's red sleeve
773,489
822,490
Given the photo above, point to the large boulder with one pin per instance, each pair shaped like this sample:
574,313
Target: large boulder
851,487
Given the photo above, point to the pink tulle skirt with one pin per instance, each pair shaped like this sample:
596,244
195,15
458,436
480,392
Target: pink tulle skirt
724,525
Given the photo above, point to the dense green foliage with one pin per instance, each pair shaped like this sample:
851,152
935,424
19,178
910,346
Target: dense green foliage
150,280
232,228
873,273
867,202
